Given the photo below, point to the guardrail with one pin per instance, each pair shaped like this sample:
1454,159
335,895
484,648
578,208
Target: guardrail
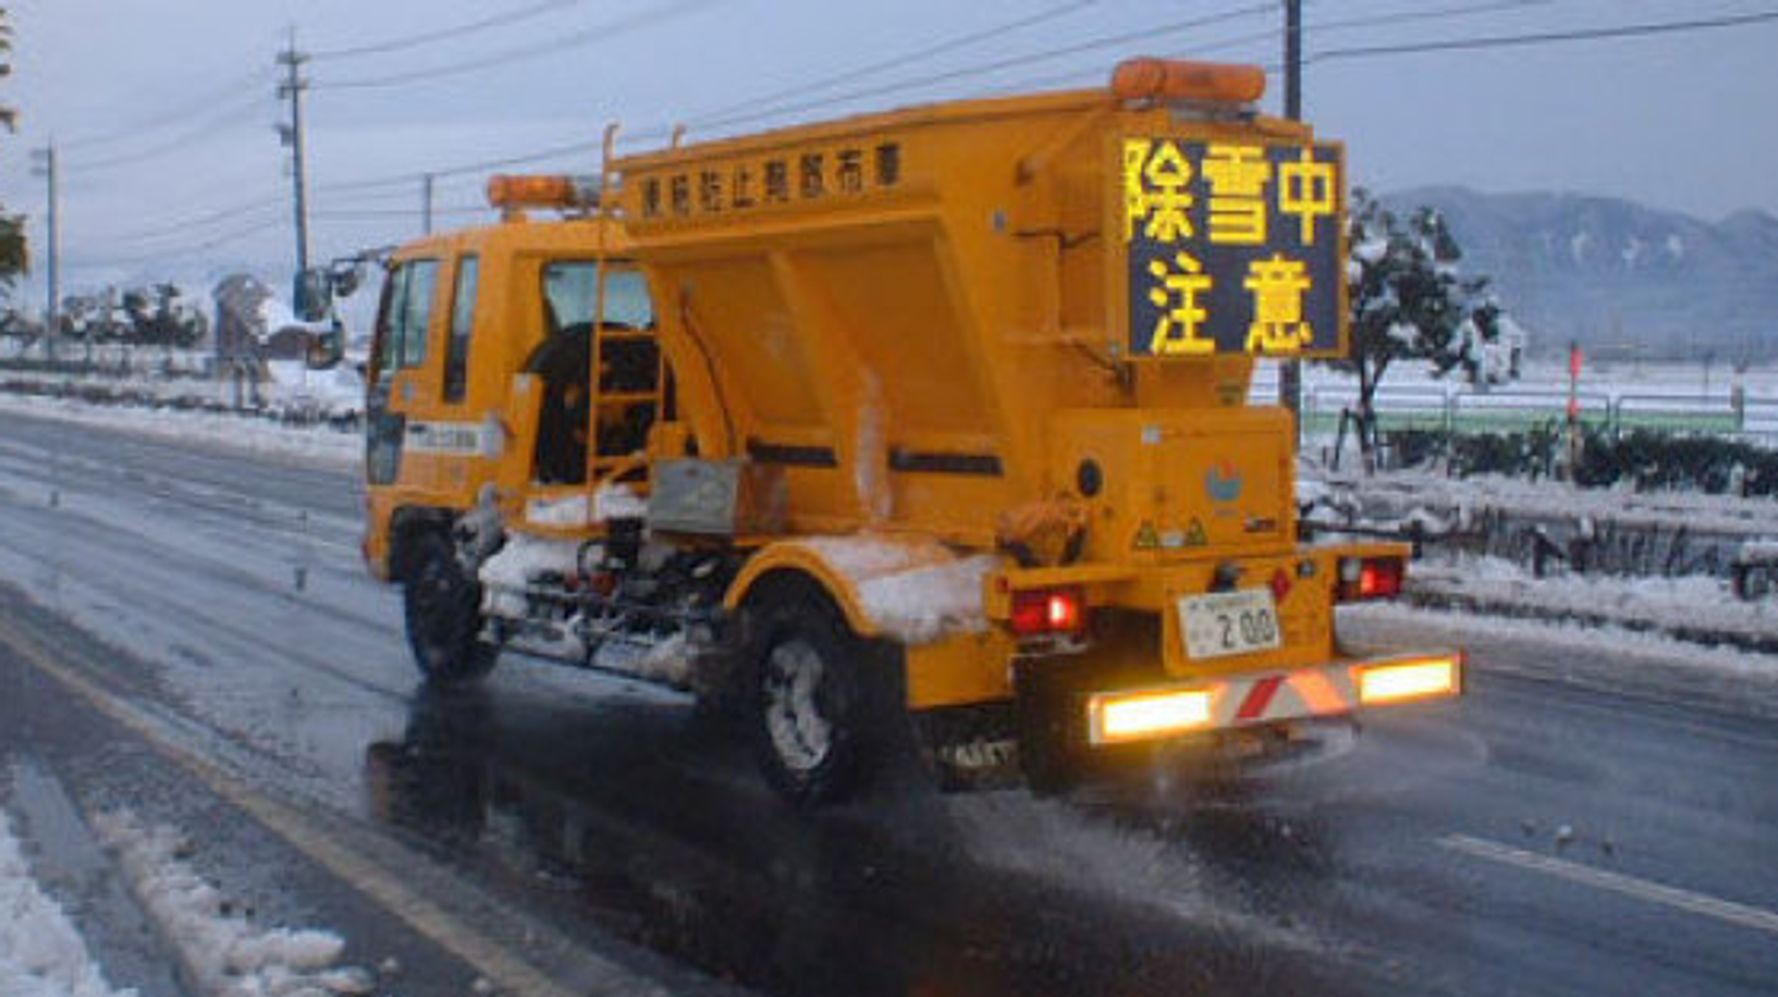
1402,407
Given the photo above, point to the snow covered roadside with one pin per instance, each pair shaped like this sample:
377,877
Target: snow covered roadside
202,430
1700,609
225,951
41,955
1402,494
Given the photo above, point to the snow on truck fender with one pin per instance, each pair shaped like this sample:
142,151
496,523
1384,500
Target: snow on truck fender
913,590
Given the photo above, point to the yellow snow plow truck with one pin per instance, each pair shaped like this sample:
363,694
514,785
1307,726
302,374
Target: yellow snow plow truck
921,434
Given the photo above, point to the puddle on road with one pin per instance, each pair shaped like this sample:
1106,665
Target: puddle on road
636,820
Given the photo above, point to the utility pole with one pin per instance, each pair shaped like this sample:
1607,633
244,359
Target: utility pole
426,204
43,164
291,88
1290,375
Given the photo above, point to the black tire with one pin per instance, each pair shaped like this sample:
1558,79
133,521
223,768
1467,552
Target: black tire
442,606
821,701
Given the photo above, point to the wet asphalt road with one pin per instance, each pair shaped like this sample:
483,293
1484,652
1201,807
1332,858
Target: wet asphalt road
1538,837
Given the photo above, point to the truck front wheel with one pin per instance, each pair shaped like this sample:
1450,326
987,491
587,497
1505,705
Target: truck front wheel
821,703
442,604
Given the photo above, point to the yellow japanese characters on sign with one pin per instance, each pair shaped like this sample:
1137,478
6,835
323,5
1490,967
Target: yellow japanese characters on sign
746,185
1231,246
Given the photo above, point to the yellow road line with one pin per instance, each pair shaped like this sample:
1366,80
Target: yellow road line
510,972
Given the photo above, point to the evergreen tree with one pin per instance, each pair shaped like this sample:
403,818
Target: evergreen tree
1409,303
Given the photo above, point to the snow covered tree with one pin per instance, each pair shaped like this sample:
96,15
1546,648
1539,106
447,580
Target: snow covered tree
1409,303
13,260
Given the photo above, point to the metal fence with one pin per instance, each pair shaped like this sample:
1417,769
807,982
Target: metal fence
1399,407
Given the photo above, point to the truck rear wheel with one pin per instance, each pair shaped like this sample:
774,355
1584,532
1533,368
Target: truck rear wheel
442,604
821,704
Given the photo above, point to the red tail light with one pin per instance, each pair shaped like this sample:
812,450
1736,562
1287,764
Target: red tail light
1370,578
1048,611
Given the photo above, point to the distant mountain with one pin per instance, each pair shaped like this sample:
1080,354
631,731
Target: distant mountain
1618,276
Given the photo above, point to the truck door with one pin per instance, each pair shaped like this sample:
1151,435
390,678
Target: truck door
398,387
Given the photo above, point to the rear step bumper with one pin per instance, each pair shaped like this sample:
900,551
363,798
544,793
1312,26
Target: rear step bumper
1126,716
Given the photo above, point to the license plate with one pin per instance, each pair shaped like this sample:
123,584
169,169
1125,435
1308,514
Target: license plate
1225,623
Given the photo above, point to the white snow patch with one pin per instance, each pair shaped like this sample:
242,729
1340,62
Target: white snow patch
1687,602
275,316
608,502
915,591
229,954
506,574
1580,246
335,391
200,430
561,510
1760,552
41,955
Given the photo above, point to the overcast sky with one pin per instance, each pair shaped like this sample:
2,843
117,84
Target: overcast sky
164,112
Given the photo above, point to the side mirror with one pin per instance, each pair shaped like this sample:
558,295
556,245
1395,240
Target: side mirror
326,348
313,297
346,278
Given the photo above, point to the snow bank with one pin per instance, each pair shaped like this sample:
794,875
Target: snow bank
201,430
914,591
1760,552
1692,603
41,955
229,954
332,391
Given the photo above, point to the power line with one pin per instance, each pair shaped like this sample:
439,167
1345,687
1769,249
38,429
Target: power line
185,225
179,142
1578,34
1408,16
520,159
1098,71
370,214
224,239
916,55
1109,41
180,112
443,34
597,33
581,148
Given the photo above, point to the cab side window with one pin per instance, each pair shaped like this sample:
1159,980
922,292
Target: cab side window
456,372
413,313
404,315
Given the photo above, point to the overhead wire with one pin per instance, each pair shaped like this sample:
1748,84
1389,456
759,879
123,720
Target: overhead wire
184,225
234,235
177,143
711,119
997,65
500,20
1544,37
917,55
1273,35
184,110
597,33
